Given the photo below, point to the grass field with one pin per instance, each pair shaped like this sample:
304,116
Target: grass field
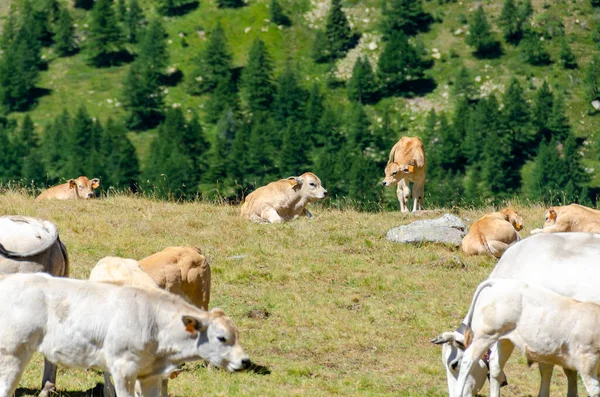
328,305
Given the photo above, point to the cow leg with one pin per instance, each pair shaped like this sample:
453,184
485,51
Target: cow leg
400,192
503,350
109,388
151,387
12,367
164,391
591,384
417,193
124,386
471,355
496,247
48,379
271,215
545,379
572,382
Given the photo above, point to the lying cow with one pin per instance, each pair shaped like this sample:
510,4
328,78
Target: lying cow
30,245
571,218
545,326
566,263
80,188
493,233
407,164
283,200
133,333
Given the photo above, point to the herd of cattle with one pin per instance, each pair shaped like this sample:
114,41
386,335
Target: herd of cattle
539,297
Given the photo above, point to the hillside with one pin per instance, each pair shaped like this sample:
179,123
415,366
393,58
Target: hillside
71,82
328,305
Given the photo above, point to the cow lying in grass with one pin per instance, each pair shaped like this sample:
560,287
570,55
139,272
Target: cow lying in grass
80,188
545,326
493,233
133,333
570,218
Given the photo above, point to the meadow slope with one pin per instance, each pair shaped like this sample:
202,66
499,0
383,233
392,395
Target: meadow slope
328,305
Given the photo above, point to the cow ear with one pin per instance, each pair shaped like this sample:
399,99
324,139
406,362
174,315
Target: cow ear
72,183
295,180
442,338
193,324
95,183
552,214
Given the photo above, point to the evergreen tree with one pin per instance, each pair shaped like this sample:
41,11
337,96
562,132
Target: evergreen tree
577,177
320,49
104,36
196,146
54,142
278,17
258,88
558,121
167,7
230,3
525,10
565,55
64,33
533,50
8,159
595,3
153,53
85,4
9,30
121,165
463,85
213,64
480,35
261,156
238,167
290,99
511,20
398,63
121,11
79,140
337,29
548,175
313,112
405,16
363,171
542,111
223,99
484,121
359,129
142,97
362,86
592,79
218,153
133,21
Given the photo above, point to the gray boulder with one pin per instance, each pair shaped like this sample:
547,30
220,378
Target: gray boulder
446,230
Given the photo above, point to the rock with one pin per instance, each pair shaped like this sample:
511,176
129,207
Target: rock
458,32
436,55
596,104
446,230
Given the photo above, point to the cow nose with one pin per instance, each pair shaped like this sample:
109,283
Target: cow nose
246,363
383,183
325,192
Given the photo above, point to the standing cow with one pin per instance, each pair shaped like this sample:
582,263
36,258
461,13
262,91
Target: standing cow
407,164
31,245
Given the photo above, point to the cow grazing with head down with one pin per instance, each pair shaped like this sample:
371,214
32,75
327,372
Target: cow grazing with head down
283,200
493,233
570,218
80,188
566,263
133,333
407,164
31,245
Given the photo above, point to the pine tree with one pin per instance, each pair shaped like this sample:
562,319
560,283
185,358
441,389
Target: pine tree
142,97
196,147
363,171
237,166
398,63
359,128
258,88
548,175
9,30
217,156
121,165
565,55
133,21
278,17
558,121
362,86
405,16
592,79
85,4
223,99
167,7
595,3
542,111
79,144
153,52
577,176
261,154
64,33
54,142
104,36
313,112
337,29
319,51
484,121
213,64
230,3
512,26
289,101
121,11
293,159
533,50
480,35
8,164
463,85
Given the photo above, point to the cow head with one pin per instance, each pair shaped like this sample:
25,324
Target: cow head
83,187
515,219
394,172
218,340
310,187
550,217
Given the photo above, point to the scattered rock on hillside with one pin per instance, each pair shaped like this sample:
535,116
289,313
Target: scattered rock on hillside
446,230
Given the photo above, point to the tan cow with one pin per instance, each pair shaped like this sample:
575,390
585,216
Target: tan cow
570,218
80,188
407,164
283,200
493,233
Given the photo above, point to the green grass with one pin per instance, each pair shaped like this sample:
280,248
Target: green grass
345,312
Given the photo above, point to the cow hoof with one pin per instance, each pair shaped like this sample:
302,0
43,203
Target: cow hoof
48,390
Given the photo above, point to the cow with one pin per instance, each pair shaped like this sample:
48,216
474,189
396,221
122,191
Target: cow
566,263
545,326
570,218
80,188
407,164
283,200
30,245
493,233
133,333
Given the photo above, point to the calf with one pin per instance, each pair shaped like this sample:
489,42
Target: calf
283,200
493,233
80,188
570,218
407,164
545,326
134,333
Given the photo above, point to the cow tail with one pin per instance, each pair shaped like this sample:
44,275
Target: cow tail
484,242
65,255
469,318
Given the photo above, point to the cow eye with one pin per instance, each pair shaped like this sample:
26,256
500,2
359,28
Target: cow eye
81,186
394,173
222,339
312,184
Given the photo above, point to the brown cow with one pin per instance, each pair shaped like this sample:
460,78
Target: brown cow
407,164
80,188
570,218
493,233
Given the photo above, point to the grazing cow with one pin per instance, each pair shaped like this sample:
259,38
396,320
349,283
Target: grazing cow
566,263
283,200
30,245
545,326
407,164
133,333
493,233
570,218
80,188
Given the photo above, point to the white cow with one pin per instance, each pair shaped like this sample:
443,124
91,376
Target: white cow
545,326
566,263
135,334
29,245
